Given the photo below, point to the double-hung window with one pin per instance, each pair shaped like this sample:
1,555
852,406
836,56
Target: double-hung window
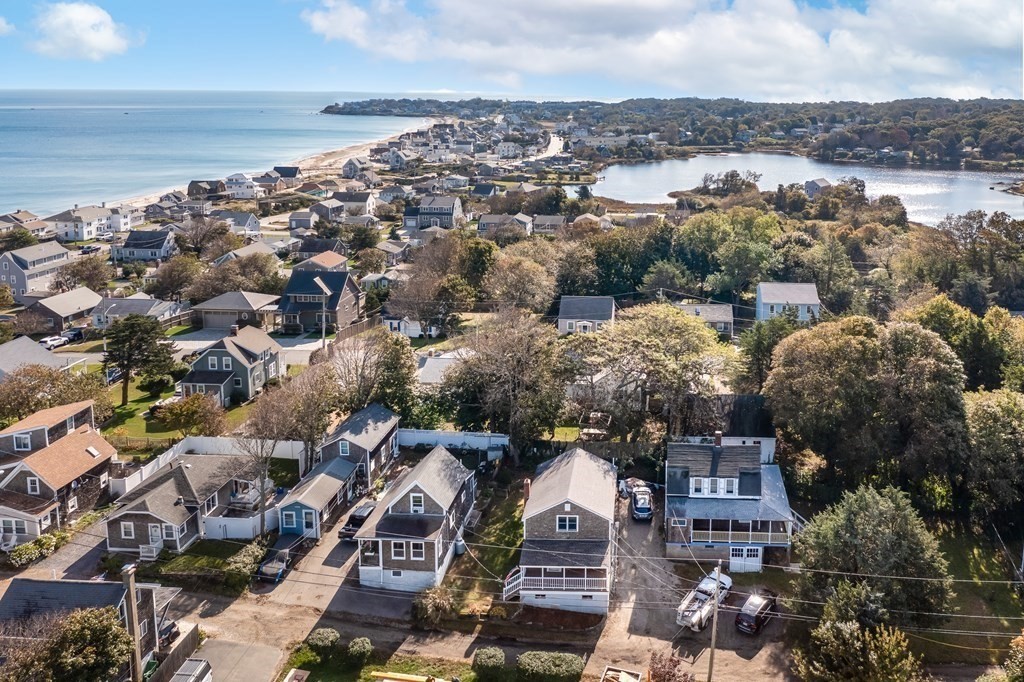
398,550
712,486
288,519
698,486
416,550
416,503
730,486
211,362
343,448
170,531
32,483
127,530
22,441
567,524
227,364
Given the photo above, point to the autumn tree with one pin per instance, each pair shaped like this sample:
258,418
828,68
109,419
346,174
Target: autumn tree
31,388
520,282
371,260
309,399
197,234
199,414
875,533
174,277
6,296
136,345
842,651
269,422
92,272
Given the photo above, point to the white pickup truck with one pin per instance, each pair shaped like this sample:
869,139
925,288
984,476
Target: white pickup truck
695,610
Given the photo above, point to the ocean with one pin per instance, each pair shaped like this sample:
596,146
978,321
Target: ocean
60,148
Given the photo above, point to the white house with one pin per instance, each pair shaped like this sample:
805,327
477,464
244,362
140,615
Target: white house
81,223
509,150
774,298
242,186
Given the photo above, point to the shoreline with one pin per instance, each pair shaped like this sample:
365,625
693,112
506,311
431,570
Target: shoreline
317,164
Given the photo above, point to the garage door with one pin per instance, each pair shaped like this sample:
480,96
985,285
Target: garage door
744,559
213,320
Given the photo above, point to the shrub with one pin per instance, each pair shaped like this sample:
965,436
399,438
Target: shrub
303,657
488,663
22,555
549,666
154,386
359,649
243,564
323,641
46,544
433,604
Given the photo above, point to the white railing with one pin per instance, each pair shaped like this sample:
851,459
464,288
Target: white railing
512,585
572,584
150,552
473,440
739,537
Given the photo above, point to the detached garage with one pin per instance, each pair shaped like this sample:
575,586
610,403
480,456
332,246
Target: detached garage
242,308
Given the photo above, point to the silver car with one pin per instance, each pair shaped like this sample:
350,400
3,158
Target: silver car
641,503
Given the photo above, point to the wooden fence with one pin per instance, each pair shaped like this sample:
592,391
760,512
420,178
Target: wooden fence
183,650
180,318
371,322
140,442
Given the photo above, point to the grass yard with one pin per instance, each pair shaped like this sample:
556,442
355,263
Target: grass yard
179,329
424,342
202,557
95,346
501,527
284,472
130,420
337,671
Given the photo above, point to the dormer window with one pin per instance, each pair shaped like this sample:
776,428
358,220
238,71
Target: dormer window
416,503
71,423
712,486
22,442
730,486
698,486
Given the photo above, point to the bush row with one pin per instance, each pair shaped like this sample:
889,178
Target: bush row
43,546
532,666
326,644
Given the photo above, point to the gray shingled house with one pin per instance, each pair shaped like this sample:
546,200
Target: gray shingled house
408,541
567,560
236,367
368,439
238,308
581,314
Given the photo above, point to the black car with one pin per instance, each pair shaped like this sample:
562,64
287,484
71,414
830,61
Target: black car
356,519
75,334
756,611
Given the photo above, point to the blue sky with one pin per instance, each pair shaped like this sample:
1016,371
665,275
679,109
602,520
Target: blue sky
774,50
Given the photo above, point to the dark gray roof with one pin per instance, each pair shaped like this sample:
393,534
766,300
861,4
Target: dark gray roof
592,553
440,475
586,308
237,300
724,461
210,377
318,245
24,351
133,306
321,484
237,217
547,220
435,201
146,239
367,428
301,283
28,597
288,171
351,197
772,505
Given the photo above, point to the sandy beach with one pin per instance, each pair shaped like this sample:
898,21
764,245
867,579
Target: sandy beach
321,165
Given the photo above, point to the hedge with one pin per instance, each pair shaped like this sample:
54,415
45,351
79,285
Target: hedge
548,666
488,663
359,649
43,546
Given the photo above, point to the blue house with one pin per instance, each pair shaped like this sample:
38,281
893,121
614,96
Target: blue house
318,500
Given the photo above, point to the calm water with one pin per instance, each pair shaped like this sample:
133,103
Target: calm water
60,148
928,194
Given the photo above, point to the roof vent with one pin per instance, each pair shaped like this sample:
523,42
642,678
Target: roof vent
180,501
93,451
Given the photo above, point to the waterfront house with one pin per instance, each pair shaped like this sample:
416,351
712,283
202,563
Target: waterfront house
717,316
61,310
408,542
582,314
206,189
53,468
81,223
236,368
124,218
567,559
318,500
776,298
145,245
304,304
29,270
722,502
400,159
186,500
242,186
292,175
370,179
354,166
242,223
815,187
238,309
367,438
109,310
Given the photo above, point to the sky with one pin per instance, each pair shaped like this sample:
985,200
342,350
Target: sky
765,50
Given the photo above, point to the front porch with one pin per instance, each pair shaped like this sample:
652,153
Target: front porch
554,578
731,532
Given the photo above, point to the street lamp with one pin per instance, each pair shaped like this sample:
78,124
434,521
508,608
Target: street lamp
323,310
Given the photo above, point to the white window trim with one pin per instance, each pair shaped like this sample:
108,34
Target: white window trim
570,326
73,503
712,486
211,362
226,363
569,520
285,516
127,530
417,551
414,507
17,438
170,532
398,550
32,485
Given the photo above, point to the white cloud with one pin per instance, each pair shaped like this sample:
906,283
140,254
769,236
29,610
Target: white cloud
5,27
80,30
761,49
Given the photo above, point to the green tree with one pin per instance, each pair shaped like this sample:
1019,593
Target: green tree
870,532
18,238
363,237
757,345
396,383
6,296
995,428
174,277
92,272
371,260
136,345
666,274
31,388
197,415
583,193
843,651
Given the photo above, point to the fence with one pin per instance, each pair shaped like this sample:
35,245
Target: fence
182,651
348,332
238,527
140,442
179,319
465,440
206,445
604,449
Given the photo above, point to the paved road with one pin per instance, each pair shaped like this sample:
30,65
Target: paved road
240,662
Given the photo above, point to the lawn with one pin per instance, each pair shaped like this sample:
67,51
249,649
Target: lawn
500,527
423,342
334,671
204,556
179,329
284,472
95,346
131,420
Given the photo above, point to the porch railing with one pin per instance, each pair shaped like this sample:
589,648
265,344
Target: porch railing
739,537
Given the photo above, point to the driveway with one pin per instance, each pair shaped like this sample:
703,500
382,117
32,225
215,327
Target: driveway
199,339
77,560
240,662
328,579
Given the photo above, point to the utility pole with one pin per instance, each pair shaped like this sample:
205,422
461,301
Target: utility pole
714,621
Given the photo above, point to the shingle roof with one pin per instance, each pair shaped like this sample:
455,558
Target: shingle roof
146,239
725,461
133,306
586,308
327,259
435,201
788,292
367,428
38,251
577,476
29,597
47,417
237,300
321,484
69,457
72,302
24,351
538,552
773,504
247,343
439,475
711,312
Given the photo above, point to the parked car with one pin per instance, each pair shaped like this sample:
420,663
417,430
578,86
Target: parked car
89,248
756,612
641,505
356,519
51,342
75,334
108,237
696,608
278,560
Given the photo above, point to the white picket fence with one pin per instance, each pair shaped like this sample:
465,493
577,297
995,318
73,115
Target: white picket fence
202,445
467,440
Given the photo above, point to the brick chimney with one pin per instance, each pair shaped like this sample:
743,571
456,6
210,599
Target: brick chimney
718,438
132,610
526,489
